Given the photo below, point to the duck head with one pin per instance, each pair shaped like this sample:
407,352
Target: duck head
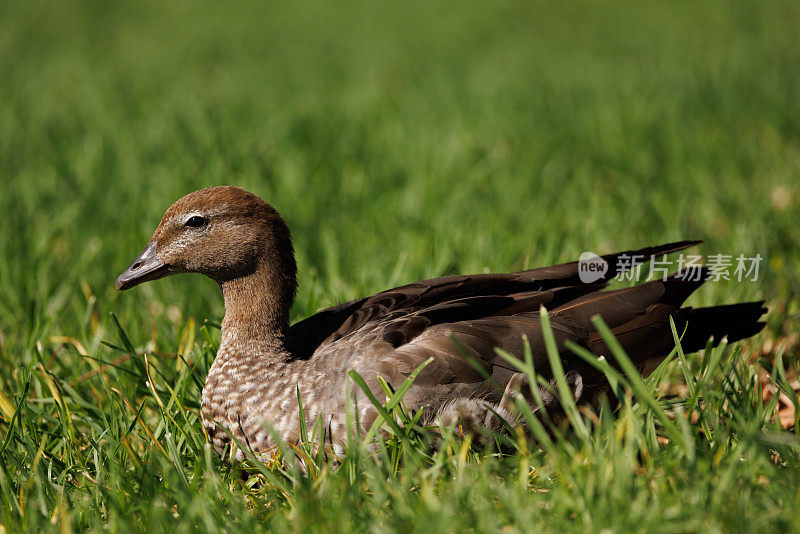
222,232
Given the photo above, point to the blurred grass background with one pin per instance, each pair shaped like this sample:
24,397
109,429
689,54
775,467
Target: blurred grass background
400,141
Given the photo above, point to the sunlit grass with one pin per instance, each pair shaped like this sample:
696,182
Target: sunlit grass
400,143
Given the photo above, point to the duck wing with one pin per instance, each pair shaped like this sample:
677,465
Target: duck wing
459,321
462,345
406,311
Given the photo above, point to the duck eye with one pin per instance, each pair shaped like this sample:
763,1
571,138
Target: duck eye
195,221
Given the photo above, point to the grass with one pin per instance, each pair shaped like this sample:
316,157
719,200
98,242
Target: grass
400,142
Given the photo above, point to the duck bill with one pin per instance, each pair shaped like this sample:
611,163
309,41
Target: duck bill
144,268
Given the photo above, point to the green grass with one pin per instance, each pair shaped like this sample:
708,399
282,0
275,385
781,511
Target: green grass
400,142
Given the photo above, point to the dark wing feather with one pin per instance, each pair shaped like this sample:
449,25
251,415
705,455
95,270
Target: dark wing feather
305,336
445,299
639,316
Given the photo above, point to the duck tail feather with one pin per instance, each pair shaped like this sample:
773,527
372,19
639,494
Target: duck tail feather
732,322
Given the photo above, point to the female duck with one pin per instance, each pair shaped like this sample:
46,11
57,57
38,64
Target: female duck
241,242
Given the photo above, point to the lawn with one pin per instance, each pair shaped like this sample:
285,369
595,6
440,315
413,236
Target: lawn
400,142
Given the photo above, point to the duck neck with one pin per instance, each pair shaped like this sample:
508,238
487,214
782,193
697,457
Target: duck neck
257,307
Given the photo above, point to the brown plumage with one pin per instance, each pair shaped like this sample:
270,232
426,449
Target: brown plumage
240,241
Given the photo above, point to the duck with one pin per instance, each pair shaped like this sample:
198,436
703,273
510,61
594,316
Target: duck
447,329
